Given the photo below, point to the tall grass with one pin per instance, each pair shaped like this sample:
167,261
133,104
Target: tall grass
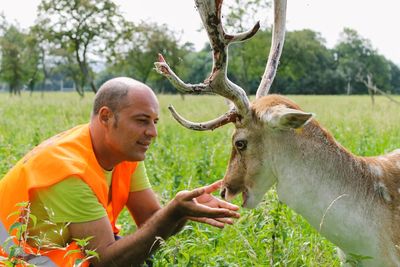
271,234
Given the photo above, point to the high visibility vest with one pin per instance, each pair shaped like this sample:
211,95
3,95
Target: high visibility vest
67,154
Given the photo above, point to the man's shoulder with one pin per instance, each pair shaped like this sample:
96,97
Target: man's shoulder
71,147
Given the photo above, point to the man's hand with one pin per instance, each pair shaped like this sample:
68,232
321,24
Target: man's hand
211,201
199,205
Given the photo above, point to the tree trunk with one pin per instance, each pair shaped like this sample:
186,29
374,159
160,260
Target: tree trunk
348,88
372,90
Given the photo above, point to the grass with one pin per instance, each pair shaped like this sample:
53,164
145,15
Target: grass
271,234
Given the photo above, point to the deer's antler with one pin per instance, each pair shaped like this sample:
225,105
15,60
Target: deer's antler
218,82
278,38
230,116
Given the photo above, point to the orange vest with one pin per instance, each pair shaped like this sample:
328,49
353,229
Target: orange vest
69,153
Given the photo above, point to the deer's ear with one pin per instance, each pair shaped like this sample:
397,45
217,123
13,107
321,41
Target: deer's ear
282,117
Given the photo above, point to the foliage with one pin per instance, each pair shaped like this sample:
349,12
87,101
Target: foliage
19,232
88,42
19,58
356,59
306,66
247,61
394,77
139,49
79,29
241,14
182,159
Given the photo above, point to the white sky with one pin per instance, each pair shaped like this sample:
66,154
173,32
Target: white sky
376,20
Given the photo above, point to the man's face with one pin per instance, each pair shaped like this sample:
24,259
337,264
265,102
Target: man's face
133,127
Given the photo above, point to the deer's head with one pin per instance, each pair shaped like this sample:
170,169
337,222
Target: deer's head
256,123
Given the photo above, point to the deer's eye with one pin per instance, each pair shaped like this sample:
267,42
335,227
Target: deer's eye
241,145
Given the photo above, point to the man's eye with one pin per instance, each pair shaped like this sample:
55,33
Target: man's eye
241,145
143,121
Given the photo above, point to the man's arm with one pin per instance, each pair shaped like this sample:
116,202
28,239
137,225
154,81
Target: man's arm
133,249
142,205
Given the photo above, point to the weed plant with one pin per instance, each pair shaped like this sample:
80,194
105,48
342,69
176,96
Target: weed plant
271,234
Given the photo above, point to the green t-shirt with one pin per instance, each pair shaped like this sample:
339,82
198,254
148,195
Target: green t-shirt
71,201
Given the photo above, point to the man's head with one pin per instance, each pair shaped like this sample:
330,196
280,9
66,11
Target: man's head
125,111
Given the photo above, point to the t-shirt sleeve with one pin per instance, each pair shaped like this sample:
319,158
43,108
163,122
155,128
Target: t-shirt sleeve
71,200
139,179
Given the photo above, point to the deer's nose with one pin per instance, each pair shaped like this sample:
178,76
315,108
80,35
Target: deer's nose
223,192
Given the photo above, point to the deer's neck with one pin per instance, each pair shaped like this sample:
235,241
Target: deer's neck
330,187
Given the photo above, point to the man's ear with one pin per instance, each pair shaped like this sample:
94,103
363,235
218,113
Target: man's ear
105,114
282,117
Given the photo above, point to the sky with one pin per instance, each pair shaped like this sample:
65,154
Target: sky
378,21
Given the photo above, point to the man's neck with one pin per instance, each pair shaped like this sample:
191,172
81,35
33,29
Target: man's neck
104,157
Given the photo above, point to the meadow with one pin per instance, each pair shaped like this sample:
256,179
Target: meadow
271,234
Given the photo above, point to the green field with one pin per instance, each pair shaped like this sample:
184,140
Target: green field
272,234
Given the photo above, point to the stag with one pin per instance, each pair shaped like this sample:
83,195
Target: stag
353,201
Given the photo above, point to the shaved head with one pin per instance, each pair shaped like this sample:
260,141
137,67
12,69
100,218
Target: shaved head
123,122
113,94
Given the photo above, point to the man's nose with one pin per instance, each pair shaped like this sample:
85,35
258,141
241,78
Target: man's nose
152,130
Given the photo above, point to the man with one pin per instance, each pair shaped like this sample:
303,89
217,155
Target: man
78,181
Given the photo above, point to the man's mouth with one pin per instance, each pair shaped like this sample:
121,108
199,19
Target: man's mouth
144,143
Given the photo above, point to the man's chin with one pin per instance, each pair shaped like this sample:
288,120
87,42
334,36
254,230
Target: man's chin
137,157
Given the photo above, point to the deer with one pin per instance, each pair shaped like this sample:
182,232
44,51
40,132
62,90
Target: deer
352,201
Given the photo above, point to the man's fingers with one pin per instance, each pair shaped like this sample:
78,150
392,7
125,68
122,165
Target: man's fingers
227,205
212,187
208,221
204,211
189,195
224,220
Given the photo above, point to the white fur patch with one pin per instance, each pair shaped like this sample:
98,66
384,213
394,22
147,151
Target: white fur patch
376,170
383,159
381,189
396,151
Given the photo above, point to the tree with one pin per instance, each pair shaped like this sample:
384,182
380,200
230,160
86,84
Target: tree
33,55
307,66
242,13
139,49
394,77
248,59
79,30
19,58
197,65
357,59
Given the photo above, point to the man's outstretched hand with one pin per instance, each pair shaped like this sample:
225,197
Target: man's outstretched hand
201,206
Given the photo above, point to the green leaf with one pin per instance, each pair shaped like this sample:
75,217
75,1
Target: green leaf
33,218
13,214
78,262
84,241
22,204
16,225
11,251
72,252
92,253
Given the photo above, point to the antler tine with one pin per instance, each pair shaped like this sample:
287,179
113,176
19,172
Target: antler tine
226,118
278,38
210,13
